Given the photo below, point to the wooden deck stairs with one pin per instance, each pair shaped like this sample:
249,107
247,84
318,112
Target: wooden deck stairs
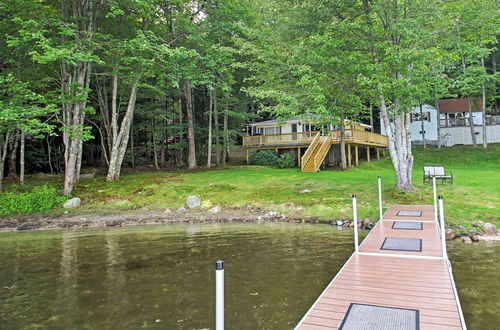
316,152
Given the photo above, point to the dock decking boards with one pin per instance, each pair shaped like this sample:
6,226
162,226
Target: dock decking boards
408,280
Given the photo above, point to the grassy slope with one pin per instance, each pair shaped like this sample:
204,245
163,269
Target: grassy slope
474,196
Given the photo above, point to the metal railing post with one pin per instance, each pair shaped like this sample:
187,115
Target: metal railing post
355,221
380,197
443,230
219,295
435,198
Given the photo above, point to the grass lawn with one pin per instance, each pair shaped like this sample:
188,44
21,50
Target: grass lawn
474,196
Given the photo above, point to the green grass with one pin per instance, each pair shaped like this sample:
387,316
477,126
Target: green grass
474,196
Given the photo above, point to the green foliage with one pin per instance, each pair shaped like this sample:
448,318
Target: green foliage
41,198
286,160
264,158
272,158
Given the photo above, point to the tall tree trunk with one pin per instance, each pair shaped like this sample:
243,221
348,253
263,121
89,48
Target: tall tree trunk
225,151
181,133
471,122
49,155
438,124
216,132
483,110
495,81
155,154
422,126
75,83
3,156
121,142
372,129
132,151
209,146
22,159
13,157
343,160
399,143
190,118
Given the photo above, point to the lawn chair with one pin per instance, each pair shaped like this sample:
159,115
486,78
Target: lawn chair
438,172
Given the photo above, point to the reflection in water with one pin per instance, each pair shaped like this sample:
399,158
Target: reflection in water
163,276
67,280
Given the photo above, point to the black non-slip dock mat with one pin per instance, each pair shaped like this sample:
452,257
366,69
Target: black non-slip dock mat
371,317
408,225
402,244
409,214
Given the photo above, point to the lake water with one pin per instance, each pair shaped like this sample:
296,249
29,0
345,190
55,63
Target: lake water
163,276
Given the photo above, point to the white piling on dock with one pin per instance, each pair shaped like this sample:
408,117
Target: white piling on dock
435,198
219,295
380,197
355,222
441,224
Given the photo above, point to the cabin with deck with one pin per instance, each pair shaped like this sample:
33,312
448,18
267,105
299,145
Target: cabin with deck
315,145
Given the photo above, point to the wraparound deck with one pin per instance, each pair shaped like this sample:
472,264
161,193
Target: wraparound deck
352,136
318,146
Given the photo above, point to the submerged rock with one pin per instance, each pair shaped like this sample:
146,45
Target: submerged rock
72,203
474,238
193,201
466,239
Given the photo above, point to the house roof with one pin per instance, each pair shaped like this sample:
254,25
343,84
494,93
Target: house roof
274,121
295,119
458,105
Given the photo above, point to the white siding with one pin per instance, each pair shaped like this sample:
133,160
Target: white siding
430,127
461,135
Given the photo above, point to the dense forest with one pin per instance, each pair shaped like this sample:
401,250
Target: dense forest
125,83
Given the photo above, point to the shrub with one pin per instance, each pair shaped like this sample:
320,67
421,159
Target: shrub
286,160
271,158
264,158
41,198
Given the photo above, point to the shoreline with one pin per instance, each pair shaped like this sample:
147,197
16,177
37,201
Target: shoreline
141,217
157,217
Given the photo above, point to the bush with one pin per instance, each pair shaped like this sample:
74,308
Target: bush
286,160
264,158
271,158
41,198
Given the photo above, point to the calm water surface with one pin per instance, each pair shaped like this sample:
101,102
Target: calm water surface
163,276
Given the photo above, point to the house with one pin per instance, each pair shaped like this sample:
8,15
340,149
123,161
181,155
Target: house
314,144
451,124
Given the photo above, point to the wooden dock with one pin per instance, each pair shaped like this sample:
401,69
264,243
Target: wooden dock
420,280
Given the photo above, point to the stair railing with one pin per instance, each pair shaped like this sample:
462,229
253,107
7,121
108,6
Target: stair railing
309,151
320,156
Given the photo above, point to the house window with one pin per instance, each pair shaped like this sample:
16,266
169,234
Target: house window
416,116
271,130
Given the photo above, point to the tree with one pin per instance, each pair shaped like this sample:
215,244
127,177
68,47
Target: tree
20,109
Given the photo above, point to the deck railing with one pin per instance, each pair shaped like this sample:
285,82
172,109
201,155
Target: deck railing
277,139
320,156
351,135
310,150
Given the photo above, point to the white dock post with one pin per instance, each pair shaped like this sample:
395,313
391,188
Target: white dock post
355,222
443,230
380,197
435,199
219,295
